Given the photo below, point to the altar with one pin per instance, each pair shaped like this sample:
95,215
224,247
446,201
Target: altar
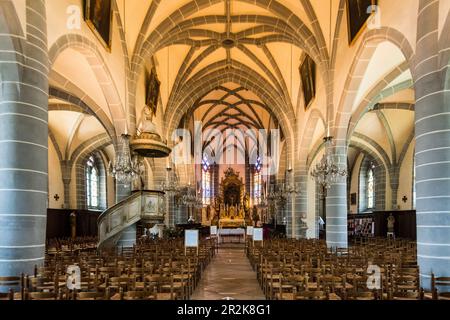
232,223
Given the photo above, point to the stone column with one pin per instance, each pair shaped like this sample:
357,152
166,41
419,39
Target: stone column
336,207
66,169
301,204
432,153
128,235
23,138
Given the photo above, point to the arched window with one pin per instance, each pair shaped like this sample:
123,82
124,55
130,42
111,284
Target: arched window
370,188
257,182
206,181
367,186
92,183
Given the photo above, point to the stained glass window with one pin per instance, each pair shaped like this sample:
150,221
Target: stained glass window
92,183
257,182
370,189
206,181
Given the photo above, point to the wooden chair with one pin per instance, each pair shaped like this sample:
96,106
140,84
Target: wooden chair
7,296
8,283
138,295
442,282
311,295
92,296
42,296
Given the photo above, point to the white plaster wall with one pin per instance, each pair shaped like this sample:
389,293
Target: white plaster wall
406,186
55,183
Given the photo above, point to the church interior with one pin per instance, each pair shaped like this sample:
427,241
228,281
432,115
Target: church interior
224,150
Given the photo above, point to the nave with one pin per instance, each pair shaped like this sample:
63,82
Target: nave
277,269
135,132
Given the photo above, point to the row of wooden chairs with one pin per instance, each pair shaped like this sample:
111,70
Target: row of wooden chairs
153,270
307,269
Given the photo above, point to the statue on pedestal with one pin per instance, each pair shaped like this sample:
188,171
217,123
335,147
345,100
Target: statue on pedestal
232,212
147,126
390,224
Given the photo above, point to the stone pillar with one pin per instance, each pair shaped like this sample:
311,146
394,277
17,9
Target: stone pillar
300,204
66,169
432,153
128,235
23,139
336,207
171,209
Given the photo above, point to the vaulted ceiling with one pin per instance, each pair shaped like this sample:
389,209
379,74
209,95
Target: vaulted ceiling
255,45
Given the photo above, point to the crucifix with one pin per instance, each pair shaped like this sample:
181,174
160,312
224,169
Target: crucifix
56,197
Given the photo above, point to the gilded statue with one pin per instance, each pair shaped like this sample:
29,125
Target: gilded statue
232,212
241,213
223,214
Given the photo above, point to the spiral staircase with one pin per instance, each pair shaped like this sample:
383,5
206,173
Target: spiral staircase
146,206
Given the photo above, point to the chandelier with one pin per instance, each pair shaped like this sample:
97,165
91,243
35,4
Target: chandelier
327,172
291,187
125,169
192,197
171,183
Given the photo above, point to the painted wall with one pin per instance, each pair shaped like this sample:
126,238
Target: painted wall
406,174
55,182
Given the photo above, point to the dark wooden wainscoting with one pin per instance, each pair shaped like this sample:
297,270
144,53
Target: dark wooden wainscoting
58,223
404,227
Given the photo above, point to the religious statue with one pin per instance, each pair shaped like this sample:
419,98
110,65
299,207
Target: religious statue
73,225
390,223
232,212
147,125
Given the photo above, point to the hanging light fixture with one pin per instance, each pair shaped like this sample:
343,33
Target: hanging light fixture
171,184
327,172
125,169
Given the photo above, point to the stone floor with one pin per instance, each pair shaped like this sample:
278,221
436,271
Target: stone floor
229,276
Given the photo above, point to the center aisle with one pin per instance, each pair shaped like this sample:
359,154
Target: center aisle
229,275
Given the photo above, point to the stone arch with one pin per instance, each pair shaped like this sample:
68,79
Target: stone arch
146,48
314,117
80,168
77,104
79,158
375,95
361,61
203,86
380,181
240,70
99,68
195,6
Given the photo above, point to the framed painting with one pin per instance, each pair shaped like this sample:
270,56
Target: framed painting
358,13
152,94
151,205
98,16
308,77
